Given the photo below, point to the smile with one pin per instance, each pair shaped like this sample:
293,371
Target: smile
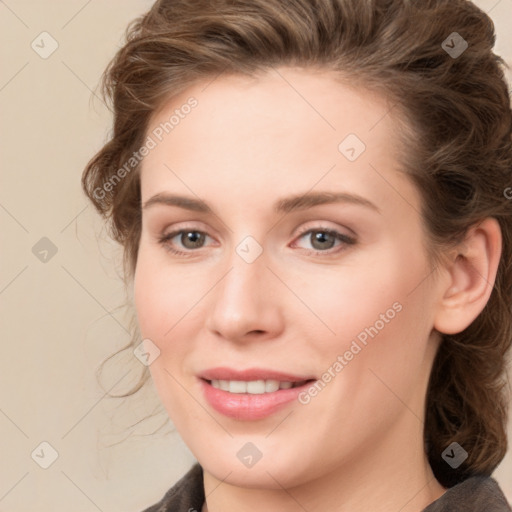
254,387
250,400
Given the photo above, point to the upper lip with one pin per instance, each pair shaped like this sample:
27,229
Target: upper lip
224,373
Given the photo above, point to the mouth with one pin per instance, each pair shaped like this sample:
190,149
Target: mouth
255,387
251,394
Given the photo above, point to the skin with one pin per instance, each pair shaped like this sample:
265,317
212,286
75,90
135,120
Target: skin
358,444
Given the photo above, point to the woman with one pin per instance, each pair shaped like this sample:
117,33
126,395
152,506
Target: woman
312,200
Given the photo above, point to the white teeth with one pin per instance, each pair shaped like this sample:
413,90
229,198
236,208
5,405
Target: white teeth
256,387
271,385
237,386
253,387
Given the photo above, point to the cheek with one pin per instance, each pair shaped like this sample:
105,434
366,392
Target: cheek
369,293
383,332
379,314
164,298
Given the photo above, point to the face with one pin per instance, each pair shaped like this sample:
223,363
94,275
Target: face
282,246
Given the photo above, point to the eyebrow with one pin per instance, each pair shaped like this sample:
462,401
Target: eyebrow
285,205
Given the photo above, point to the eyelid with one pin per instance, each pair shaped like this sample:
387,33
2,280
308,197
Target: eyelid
322,226
345,239
177,228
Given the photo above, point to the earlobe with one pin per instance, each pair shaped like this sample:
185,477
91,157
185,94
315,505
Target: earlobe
470,276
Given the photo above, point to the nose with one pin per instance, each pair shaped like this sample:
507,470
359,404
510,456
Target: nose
246,303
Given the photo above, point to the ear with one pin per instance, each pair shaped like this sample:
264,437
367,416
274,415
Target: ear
470,272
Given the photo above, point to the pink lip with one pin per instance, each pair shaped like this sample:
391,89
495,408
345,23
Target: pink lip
246,406
224,373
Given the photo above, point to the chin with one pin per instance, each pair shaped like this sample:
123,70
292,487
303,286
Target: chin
271,472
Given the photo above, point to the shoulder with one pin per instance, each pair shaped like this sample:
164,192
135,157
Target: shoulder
475,494
186,495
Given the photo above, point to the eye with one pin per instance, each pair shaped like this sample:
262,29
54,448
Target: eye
190,239
322,240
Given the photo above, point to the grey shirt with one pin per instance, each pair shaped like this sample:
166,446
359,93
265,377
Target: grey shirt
476,494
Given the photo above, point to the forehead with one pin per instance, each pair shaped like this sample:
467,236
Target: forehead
286,130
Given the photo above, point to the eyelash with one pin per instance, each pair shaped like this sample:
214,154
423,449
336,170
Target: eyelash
345,239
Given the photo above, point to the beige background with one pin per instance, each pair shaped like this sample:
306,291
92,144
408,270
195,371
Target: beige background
62,317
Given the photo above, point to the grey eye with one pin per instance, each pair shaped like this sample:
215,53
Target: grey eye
322,239
192,239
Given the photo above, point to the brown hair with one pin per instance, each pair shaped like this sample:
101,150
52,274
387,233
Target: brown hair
459,150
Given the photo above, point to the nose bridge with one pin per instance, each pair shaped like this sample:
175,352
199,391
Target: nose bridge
242,301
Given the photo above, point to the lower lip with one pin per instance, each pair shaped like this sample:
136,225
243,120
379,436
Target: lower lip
246,406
